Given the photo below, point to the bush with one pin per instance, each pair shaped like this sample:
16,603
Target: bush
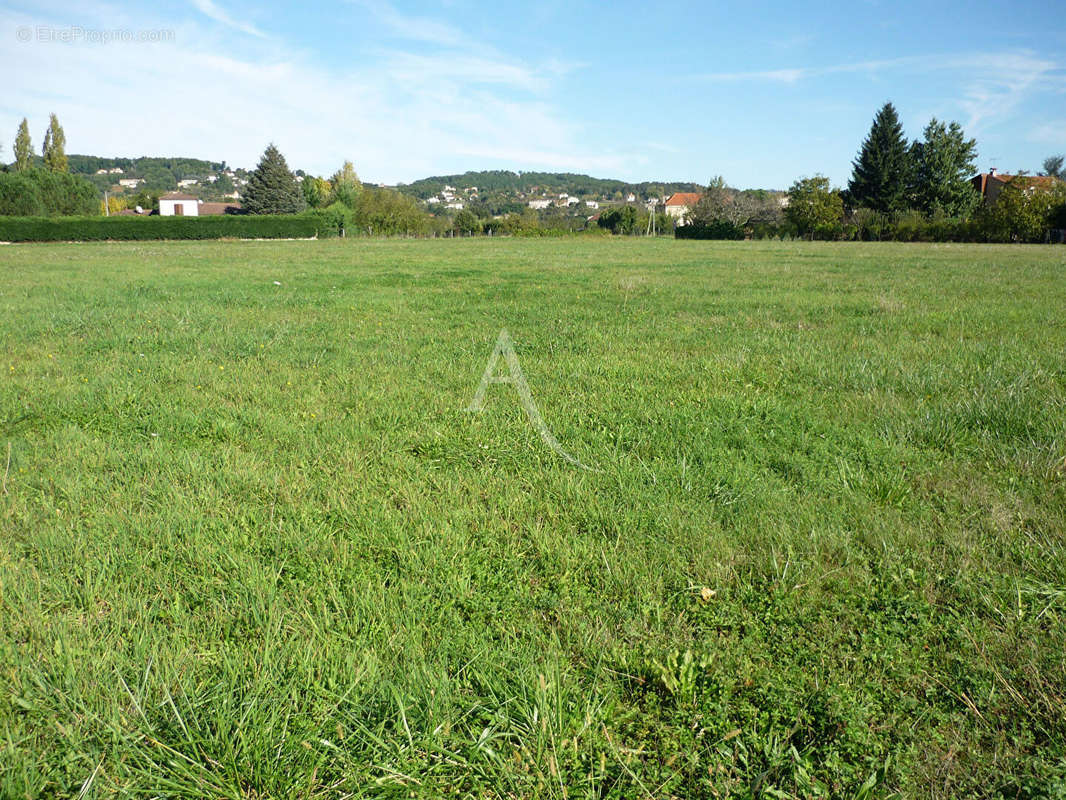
709,230
19,196
52,194
86,229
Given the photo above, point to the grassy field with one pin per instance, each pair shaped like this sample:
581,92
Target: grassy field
252,546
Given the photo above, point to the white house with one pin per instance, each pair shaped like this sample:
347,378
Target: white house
539,204
679,204
456,205
187,182
176,204
130,183
591,204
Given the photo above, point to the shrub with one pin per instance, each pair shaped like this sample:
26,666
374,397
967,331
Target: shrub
282,226
19,196
44,193
709,230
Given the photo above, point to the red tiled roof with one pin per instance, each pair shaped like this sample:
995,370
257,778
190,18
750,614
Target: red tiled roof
683,199
177,196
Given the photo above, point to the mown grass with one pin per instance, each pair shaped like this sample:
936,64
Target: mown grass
251,545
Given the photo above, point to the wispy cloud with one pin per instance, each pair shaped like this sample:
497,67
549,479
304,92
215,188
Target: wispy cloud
413,27
992,85
399,115
210,9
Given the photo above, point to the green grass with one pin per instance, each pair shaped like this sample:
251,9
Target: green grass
251,545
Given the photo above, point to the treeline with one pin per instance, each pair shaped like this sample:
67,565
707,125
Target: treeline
514,183
921,191
141,167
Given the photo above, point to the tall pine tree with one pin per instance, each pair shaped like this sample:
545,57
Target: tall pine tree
882,170
23,147
272,189
55,146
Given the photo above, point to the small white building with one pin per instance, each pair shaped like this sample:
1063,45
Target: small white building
130,183
177,204
591,204
456,205
187,182
539,204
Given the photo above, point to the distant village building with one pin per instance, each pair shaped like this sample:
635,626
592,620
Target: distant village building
187,182
990,184
458,206
131,183
591,204
679,204
176,204
539,204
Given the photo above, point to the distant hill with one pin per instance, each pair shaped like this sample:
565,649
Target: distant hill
534,184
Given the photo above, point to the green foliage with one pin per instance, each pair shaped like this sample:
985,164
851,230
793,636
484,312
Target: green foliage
716,229
816,210
943,163
345,185
502,182
20,196
620,219
316,191
1053,167
55,144
236,226
52,193
23,147
467,223
882,171
272,188
1023,212
383,212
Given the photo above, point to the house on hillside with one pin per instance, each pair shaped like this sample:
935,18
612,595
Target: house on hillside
990,184
177,204
130,183
539,204
680,204
186,182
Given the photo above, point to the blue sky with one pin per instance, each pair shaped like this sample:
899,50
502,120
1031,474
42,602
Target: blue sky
761,92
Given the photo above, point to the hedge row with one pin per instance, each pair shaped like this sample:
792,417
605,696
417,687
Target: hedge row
236,226
708,230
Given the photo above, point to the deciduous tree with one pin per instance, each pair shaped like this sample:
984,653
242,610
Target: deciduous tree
814,208
23,147
346,185
55,146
